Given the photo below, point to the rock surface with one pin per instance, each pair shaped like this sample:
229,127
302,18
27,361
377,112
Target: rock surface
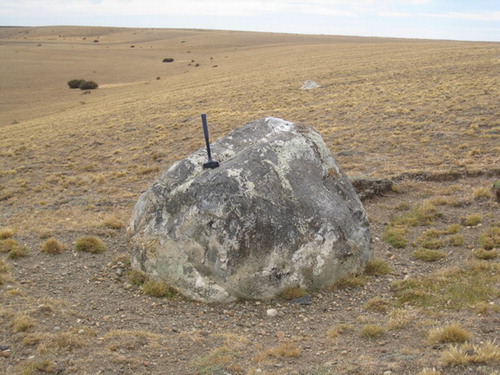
277,213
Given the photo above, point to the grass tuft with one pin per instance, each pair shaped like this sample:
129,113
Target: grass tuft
136,277
6,233
159,288
452,333
52,246
293,292
472,220
454,288
428,255
92,245
338,329
460,355
372,331
484,254
378,304
23,323
490,238
377,267
395,236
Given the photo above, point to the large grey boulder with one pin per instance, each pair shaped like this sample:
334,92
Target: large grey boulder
277,213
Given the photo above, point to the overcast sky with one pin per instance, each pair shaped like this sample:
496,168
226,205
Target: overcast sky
436,19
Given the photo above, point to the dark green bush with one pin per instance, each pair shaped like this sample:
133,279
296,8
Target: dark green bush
75,83
88,85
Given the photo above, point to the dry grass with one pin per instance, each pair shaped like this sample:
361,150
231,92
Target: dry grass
287,349
428,255
75,164
158,288
338,329
90,244
372,331
454,288
487,353
293,292
53,246
452,333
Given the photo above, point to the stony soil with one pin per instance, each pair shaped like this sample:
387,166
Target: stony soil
112,327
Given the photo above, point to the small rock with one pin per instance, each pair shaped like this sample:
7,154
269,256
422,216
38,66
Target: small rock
308,85
305,300
272,312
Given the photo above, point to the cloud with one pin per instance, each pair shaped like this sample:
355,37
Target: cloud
342,8
472,16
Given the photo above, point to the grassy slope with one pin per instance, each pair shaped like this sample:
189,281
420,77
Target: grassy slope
385,107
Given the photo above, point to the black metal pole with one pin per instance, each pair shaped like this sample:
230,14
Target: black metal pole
211,163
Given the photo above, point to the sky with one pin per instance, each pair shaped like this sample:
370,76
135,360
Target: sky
477,20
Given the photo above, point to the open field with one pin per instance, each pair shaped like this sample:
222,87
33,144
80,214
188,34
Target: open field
73,163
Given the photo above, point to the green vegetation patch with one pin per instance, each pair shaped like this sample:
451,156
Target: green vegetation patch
455,288
91,244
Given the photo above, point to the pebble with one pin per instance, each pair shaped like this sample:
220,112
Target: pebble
272,312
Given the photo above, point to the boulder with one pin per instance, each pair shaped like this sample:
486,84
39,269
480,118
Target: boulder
309,85
277,213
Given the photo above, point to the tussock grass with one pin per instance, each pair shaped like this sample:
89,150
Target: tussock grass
293,292
338,329
136,278
22,323
377,267
453,333
219,361
428,255
90,244
490,238
378,304
6,232
113,222
401,318
429,371
472,220
454,288
159,288
64,341
53,246
37,366
395,236
461,355
484,254
353,281
288,349
372,331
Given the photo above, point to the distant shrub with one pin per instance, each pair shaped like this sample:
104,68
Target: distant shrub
168,60
90,244
75,83
88,85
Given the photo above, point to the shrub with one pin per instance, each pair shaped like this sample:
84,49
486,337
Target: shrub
88,85
18,251
378,304
92,245
75,83
53,246
168,60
